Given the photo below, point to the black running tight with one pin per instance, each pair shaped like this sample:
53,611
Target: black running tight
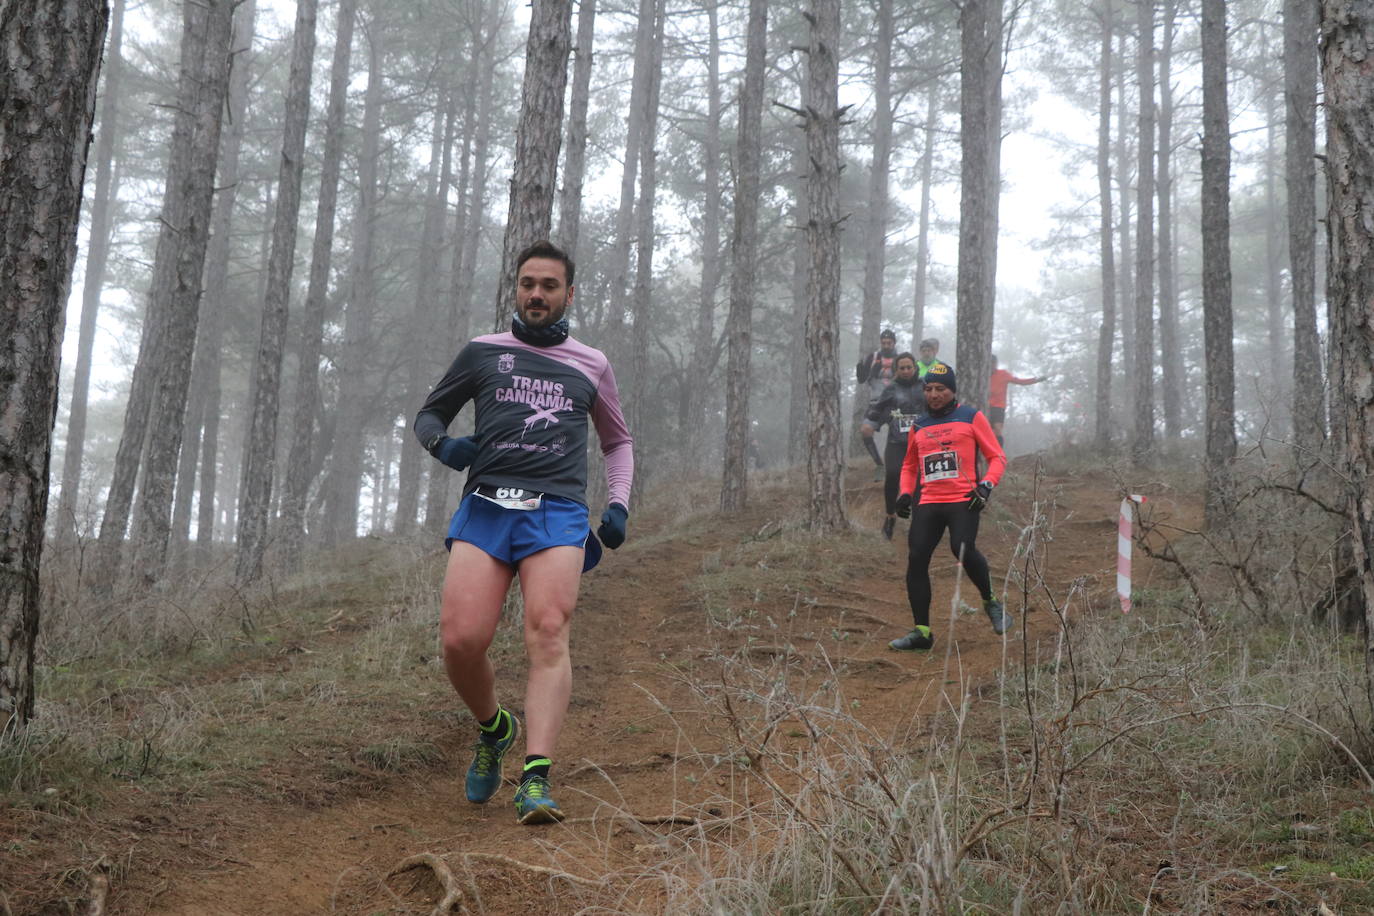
928,524
892,464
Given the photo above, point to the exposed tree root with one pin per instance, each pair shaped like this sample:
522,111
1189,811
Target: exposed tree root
657,760
100,887
453,894
528,866
655,820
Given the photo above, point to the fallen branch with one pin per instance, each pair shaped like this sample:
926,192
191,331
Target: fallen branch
656,760
453,894
528,866
100,887
655,820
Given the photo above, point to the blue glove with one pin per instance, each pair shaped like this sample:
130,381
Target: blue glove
612,530
456,453
978,496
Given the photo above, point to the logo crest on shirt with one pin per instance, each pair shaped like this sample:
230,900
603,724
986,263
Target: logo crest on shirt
559,445
505,362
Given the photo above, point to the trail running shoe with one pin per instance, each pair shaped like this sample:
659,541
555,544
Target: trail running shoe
484,775
1001,620
918,639
533,804
888,524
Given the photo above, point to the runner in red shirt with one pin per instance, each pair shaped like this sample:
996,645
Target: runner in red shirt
939,476
997,394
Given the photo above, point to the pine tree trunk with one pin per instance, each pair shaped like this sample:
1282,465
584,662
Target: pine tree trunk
921,281
575,159
302,456
49,67
1172,382
979,47
799,411
875,229
106,192
1346,28
203,409
178,270
1106,337
734,490
619,268
1126,253
825,456
424,320
346,466
1143,435
260,449
537,140
1216,264
636,386
703,338
1276,397
1300,60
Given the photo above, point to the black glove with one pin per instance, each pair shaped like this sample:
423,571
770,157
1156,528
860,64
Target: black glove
456,453
612,530
978,496
903,507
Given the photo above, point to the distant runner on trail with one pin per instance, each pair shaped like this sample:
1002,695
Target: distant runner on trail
876,371
939,477
929,349
902,403
997,394
524,512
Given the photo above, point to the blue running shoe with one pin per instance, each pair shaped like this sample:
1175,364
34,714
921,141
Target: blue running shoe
533,804
484,775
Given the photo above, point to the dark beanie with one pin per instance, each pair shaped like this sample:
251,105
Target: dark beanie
941,373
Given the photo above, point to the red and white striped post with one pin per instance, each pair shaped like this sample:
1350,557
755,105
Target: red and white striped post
1123,551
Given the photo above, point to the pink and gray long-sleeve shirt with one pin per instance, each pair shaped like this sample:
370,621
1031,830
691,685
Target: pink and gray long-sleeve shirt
532,408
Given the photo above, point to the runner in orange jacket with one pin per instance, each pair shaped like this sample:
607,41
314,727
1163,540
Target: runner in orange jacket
939,477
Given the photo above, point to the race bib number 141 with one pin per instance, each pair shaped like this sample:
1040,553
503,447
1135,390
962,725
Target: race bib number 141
941,466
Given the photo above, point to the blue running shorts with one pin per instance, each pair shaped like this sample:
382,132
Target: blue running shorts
510,535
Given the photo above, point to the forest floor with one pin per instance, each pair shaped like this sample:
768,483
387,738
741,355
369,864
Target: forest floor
344,771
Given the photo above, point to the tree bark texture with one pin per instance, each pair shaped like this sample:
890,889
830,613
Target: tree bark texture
1347,30
302,458
980,68
1106,337
704,349
1171,384
619,268
424,317
537,140
1300,60
1216,264
200,443
637,388
50,50
575,159
346,466
825,456
921,281
1125,177
875,228
1143,434
799,412
178,269
260,447
105,194
734,489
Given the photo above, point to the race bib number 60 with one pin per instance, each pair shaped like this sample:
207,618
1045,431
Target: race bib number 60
940,466
511,497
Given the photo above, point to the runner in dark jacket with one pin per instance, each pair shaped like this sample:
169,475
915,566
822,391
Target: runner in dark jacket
899,406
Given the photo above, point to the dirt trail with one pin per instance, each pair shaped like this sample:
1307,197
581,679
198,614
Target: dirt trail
621,752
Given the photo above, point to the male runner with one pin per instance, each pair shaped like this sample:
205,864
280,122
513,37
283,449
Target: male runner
997,395
901,404
939,475
524,512
876,371
929,349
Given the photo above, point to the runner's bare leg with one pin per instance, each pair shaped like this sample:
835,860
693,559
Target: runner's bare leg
475,586
548,580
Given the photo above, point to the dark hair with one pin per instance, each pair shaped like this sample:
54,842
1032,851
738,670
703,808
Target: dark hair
906,354
888,333
546,249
